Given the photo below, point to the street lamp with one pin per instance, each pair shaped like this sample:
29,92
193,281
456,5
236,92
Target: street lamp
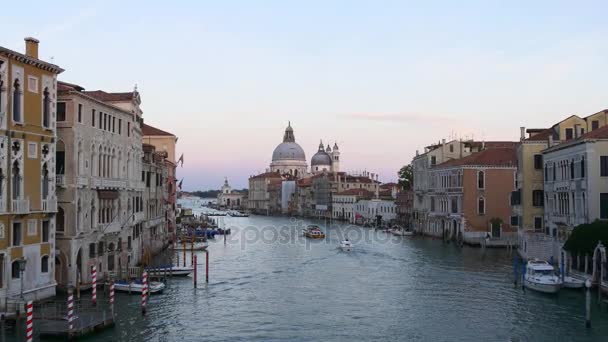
22,263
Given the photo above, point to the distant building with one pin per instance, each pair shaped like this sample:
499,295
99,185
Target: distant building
343,203
229,198
260,187
405,208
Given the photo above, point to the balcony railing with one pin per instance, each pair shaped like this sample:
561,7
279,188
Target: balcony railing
60,180
20,206
113,183
82,181
49,205
154,222
106,228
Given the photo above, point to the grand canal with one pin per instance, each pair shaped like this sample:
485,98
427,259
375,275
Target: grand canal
267,283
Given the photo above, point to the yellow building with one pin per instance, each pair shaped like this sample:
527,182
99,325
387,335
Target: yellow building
27,174
528,200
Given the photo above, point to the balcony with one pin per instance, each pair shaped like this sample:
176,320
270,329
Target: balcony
82,181
113,183
107,228
154,222
20,206
136,185
49,205
60,180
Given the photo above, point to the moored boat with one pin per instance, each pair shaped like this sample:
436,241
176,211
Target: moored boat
540,276
314,232
137,286
177,271
197,246
573,283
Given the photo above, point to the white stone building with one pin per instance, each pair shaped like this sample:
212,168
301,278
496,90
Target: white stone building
372,210
229,198
344,202
100,187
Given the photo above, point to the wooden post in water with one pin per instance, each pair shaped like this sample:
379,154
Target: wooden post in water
207,267
515,268
195,266
588,304
78,285
184,246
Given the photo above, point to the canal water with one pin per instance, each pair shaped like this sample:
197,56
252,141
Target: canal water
267,283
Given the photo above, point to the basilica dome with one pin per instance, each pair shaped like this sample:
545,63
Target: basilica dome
288,151
320,158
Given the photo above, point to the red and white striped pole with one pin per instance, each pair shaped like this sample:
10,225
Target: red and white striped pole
29,331
112,296
144,292
70,310
94,288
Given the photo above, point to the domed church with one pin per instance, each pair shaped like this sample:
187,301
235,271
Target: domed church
289,157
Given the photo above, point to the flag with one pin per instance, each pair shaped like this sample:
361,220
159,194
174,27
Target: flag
180,184
181,159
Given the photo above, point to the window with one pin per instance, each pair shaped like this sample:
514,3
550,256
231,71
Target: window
93,117
113,125
45,231
110,262
546,172
100,119
60,111
32,150
16,233
80,113
432,203
32,84
46,108
451,148
129,242
92,250
32,227
516,197
433,160
481,182
515,221
119,126
17,101
15,271
44,264
100,248
569,133
604,206
572,169
105,121
604,166
128,129
538,223
538,161
537,198
481,206
554,171
595,125
454,205
583,167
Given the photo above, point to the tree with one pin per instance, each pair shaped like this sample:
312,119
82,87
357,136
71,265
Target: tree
406,177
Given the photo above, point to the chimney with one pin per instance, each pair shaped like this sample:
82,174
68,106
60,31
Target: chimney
522,132
416,152
442,141
31,47
550,140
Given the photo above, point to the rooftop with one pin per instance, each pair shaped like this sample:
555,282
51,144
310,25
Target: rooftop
488,157
149,130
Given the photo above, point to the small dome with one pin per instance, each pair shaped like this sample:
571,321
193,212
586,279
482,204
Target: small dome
320,158
288,151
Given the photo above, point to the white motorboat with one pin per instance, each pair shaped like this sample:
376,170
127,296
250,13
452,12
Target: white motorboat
401,232
137,286
176,271
573,283
346,246
540,276
197,246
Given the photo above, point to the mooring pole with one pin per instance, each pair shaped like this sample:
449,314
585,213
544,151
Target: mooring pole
207,267
184,246
588,304
29,322
112,297
515,267
144,293
94,285
195,266
70,311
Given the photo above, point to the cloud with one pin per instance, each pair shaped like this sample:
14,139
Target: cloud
404,118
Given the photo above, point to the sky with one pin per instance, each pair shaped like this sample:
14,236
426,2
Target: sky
381,78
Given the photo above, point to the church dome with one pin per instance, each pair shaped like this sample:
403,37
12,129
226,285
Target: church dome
288,149
320,158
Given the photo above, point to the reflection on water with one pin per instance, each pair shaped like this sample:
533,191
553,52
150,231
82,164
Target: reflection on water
385,289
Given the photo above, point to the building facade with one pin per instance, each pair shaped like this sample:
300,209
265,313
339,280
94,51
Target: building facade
229,198
28,116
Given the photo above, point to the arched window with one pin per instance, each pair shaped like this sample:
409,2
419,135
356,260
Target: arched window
16,181
15,272
481,182
44,264
46,108
571,169
45,182
481,206
17,101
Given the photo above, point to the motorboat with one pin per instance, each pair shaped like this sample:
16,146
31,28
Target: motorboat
236,213
346,246
189,246
137,286
540,276
402,232
177,271
573,283
314,232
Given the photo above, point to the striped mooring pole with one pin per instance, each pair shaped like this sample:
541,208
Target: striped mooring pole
94,288
112,297
70,310
144,293
29,330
